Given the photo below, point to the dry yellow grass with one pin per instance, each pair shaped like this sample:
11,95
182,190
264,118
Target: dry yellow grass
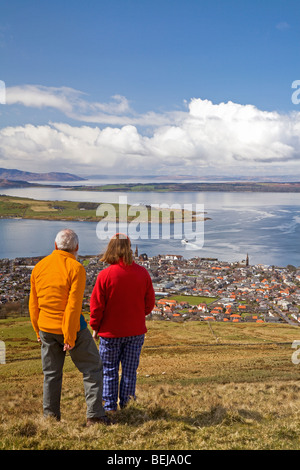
36,206
193,393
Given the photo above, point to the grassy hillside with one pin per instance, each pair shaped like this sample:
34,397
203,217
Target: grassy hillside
200,386
27,208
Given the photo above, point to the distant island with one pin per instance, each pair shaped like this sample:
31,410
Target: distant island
27,208
195,187
164,187
10,178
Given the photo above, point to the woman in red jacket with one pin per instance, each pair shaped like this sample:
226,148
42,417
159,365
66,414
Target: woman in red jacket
121,299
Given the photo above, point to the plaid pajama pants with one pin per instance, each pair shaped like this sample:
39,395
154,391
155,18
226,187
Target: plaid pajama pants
113,352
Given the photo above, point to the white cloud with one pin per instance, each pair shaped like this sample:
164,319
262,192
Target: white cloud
74,104
38,96
226,138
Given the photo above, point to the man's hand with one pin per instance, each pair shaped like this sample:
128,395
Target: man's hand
67,347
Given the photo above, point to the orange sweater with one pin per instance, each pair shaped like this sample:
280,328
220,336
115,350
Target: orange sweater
57,289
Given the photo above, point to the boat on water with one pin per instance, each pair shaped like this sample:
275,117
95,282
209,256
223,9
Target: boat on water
184,241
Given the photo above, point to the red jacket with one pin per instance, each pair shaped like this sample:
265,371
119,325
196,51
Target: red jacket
122,297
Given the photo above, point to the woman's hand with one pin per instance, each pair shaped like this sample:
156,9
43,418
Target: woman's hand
95,335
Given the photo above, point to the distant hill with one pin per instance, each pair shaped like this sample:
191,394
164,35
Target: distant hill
4,183
19,175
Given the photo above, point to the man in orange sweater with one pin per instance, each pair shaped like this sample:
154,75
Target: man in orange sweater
55,305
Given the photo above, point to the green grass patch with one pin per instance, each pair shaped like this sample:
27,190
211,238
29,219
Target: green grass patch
26,208
193,299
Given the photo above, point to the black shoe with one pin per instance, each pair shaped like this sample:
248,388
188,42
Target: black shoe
102,420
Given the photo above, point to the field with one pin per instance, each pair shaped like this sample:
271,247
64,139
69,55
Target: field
193,299
200,387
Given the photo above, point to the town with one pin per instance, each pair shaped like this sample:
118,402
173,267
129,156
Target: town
201,289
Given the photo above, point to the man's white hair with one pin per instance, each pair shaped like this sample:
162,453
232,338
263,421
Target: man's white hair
67,240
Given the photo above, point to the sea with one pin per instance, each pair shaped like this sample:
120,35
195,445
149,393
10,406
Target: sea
264,226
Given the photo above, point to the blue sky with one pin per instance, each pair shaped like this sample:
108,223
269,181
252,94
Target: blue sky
174,87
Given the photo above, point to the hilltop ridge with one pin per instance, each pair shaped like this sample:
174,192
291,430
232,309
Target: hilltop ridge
19,175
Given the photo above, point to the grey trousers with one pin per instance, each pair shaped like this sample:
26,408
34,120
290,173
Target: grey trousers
86,358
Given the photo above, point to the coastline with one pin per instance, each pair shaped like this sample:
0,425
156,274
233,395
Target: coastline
194,187
224,186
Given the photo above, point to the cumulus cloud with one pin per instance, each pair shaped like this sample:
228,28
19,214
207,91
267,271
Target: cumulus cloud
38,96
225,137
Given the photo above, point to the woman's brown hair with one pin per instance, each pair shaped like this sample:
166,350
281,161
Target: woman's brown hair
119,247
